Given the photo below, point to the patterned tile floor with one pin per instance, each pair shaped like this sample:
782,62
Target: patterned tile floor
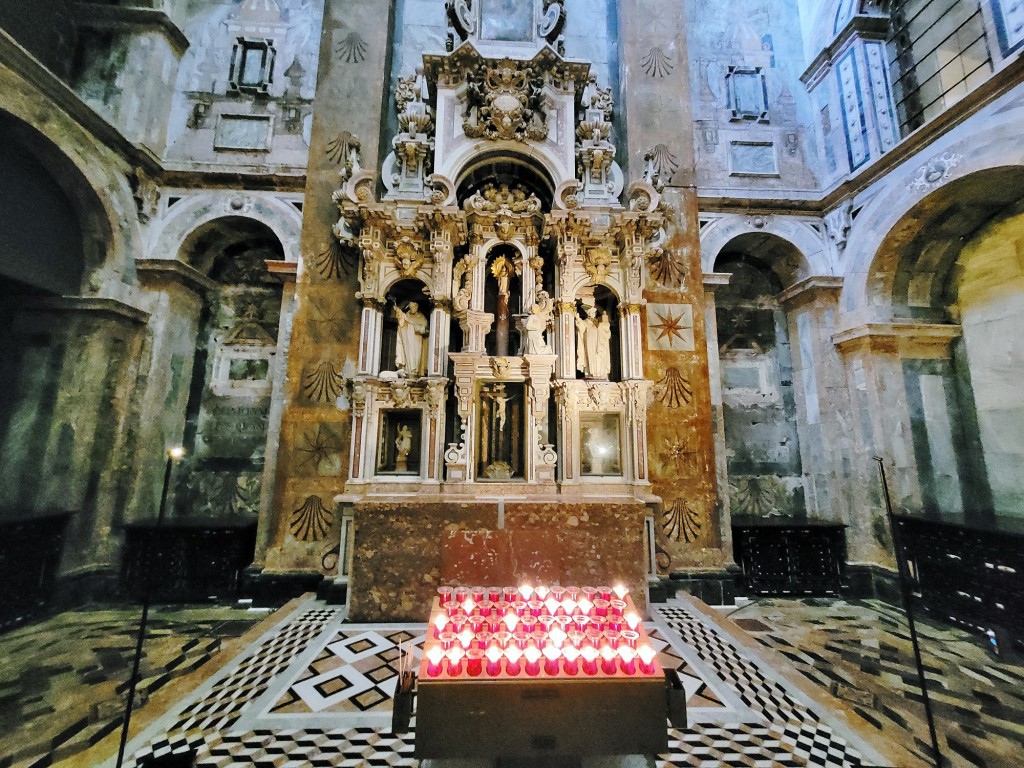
315,691
63,681
861,651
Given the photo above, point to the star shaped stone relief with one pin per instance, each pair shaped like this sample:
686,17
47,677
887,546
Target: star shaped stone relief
670,327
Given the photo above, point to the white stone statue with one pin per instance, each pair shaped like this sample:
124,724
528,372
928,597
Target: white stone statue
410,352
536,325
593,344
403,444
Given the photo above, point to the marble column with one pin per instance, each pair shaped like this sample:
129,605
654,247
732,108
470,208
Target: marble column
713,281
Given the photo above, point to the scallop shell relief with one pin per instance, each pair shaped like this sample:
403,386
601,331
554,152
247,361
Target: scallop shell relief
673,390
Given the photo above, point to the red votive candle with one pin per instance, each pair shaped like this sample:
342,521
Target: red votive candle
494,594
558,592
544,621
564,622
509,594
444,595
570,657
576,637
601,607
551,657
627,660
594,636
474,662
447,640
478,594
528,623
617,606
460,594
521,639
512,657
588,592
604,592
458,622
533,656
486,607
615,623
630,637
539,637
483,639
455,657
573,593
435,655
590,656
494,656
580,621
536,607
476,622
612,637
647,655
503,638
502,607
609,660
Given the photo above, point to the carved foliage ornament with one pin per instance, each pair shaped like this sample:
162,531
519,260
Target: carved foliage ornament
504,102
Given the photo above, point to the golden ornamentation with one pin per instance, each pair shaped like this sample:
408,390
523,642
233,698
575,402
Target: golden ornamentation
312,520
673,389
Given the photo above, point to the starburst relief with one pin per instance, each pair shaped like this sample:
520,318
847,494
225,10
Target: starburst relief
671,328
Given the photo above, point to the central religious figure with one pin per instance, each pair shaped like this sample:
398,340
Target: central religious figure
413,329
593,344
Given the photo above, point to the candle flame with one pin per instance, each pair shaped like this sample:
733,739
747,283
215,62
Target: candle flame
568,605
585,605
532,654
552,605
511,620
620,591
632,619
493,654
526,591
456,655
608,653
513,654
557,636
468,605
646,654
571,653
435,654
589,653
551,652
441,621
542,592
627,654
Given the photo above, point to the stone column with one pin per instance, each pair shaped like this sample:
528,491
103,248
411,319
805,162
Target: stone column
371,328
349,94
712,281
631,341
565,339
654,72
822,398
440,333
874,355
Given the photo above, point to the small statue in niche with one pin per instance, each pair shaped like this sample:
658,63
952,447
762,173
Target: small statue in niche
403,444
536,325
413,329
593,344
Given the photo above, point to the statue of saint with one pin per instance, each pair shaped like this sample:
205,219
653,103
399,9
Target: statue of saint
536,325
403,444
593,344
413,329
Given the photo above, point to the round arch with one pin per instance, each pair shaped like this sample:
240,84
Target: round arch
188,215
803,245
910,201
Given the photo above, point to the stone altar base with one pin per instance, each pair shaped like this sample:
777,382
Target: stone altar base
404,549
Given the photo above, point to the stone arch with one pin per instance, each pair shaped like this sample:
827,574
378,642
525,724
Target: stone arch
496,161
803,246
914,196
89,177
185,217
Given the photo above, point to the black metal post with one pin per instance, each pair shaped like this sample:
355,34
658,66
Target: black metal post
172,457
908,606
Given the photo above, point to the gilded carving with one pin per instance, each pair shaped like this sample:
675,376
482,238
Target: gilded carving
505,103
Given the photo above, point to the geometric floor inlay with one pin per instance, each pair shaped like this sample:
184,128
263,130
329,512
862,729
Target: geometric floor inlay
317,692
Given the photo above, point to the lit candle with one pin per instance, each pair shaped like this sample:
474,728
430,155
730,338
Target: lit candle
630,637
469,605
585,606
551,656
576,637
573,593
609,660
541,592
571,654
628,660
617,607
600,607
590,656
447,640
647,655
445,595
552,605
503,638
494,655
460,594
536,606
526,591
512,656
466,638
605,593
434,656
632,619
569,606
580,621
455,657
612,637
440,622
511,620
620,591
557,636
494,594
521,638
474,662
532,654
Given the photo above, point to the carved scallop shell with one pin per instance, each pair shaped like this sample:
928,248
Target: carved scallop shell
312,520
681,522
323,384
352,49
657,64
673,390
667,268
333,261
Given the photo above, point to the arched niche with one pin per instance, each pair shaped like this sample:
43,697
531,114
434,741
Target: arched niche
503,292
233,370
598,334
407,311
508,168
759,409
